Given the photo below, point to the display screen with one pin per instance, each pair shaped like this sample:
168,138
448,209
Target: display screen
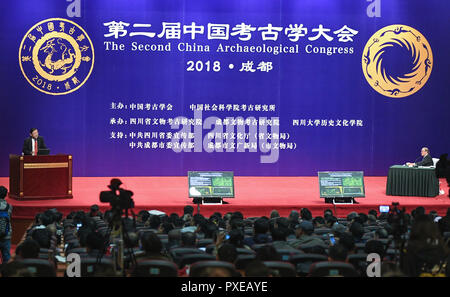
341,184
211,184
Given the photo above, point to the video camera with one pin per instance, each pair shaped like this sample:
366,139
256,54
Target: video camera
119,199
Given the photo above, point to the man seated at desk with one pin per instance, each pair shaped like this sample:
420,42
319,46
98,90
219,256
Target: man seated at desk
34,143
426,159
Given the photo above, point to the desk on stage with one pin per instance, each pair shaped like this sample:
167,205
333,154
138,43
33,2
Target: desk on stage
40,177
412,181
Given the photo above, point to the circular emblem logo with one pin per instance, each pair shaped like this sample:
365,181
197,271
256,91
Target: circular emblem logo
56,56
397,61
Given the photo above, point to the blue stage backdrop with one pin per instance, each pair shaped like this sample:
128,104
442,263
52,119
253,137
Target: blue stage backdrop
259,87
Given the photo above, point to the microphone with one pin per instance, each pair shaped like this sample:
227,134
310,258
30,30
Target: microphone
416,161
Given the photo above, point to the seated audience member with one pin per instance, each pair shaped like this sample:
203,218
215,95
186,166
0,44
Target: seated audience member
337,252
174,238
28,249
237,238
357,231
261,236
188,239
274,214
142,218
279,236
375,246
306,215
42,237
348,241
95,211
267,253
227,253
293,219
305,238
95,244
153,248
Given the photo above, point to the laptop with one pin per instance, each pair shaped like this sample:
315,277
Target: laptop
43,152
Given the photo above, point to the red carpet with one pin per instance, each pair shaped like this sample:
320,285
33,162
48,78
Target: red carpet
255,196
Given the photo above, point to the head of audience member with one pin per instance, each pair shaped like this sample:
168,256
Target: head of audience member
363,218
151,243
293,218
318,222
261,226
227,252
375,246
210,229
267,253
279,234
327,212
165,227
154,222
274,214
348,241
142,216
371,220
28,249
174,238
188,209
95,211
305,214
305,228
178,223
373,212
46,219
330,221
419,211
42,237
257,268
188,239
357,230
338,229
351,216
236,238
337,252
236,223
95,242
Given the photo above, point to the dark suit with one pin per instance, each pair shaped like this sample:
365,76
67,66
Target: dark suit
27,149
426,161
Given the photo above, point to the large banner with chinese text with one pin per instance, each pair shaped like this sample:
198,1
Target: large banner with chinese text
258,87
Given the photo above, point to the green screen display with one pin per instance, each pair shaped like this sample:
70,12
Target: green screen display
341,184
211,184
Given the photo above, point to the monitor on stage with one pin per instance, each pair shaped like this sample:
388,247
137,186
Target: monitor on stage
218,184
341,184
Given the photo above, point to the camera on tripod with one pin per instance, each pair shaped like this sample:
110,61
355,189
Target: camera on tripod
119,199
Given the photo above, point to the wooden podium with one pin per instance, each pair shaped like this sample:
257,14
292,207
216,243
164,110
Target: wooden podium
40,177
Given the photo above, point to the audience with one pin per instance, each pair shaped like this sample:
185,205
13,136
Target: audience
416,246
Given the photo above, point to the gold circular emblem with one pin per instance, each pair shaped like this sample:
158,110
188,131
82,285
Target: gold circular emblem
397,61
56,56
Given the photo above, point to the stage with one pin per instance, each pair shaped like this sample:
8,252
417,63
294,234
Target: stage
254,196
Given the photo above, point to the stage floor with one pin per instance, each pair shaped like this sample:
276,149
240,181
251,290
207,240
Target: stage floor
255,196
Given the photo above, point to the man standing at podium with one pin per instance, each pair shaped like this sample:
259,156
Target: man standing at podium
426,161
34,143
